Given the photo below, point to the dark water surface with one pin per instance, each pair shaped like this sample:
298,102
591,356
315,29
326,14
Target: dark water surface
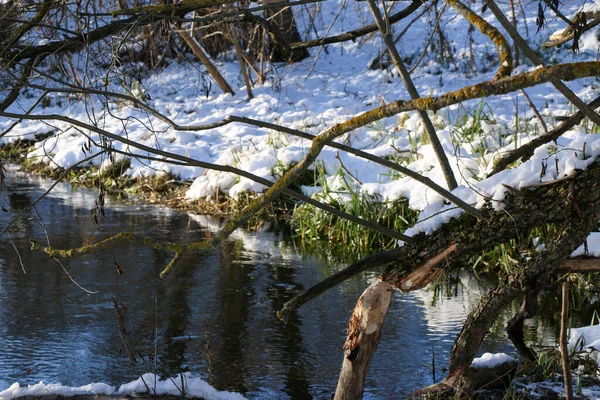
214,315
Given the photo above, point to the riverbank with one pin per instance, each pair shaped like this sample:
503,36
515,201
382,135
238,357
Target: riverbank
310,97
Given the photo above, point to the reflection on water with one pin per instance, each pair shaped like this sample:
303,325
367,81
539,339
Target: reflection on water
213,315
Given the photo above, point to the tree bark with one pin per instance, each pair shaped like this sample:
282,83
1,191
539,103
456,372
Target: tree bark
364,331
203,57
284,24
515,325
535,271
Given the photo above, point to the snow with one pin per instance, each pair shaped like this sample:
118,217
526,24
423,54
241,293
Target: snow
15,390
489,360
181,384
593,242
586,338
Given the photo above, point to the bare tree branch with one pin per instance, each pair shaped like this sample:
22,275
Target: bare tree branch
385,30
554,79
491,32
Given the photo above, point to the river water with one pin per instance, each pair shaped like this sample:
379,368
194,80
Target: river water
214,315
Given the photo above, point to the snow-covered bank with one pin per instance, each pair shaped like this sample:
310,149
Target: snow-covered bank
181,385
340,86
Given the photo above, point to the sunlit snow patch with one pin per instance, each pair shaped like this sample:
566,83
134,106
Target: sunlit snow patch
489,360
586,338
183,384
40,389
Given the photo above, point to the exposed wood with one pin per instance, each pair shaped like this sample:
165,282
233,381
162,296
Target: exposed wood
203,57
364,331
523,211
581,265
558,39
564,351
425,273
373,261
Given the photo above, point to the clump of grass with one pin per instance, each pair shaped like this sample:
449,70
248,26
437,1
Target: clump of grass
312,224
503,260
15,152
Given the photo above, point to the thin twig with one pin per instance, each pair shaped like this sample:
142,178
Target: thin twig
536,112
16,251
71,278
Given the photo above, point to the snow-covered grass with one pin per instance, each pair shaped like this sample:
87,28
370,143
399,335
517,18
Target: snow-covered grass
586,339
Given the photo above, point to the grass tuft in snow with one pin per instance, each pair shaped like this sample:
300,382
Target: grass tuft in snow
312,224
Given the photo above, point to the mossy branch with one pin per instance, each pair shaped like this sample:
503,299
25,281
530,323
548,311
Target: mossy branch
555,79
121,237
178,248
491,32
27,26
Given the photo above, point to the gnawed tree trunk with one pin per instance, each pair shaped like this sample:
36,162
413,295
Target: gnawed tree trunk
364,331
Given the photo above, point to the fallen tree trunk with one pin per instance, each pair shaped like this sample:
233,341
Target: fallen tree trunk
572,204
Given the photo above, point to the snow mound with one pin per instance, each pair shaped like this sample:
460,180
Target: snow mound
178,385
192,387
489,360
586,338
39,389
